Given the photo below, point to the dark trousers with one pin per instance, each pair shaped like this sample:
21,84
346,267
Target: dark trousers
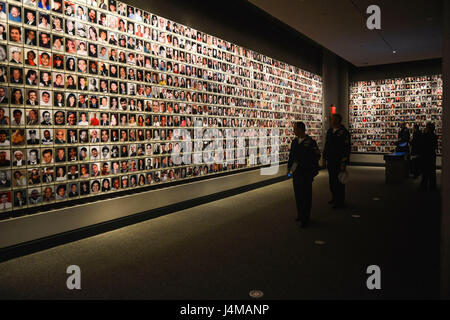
428,173
303,195
416,166
336,187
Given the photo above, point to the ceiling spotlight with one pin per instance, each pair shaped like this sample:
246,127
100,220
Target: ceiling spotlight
394,52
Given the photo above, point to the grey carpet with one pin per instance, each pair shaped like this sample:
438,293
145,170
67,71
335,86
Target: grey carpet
224,249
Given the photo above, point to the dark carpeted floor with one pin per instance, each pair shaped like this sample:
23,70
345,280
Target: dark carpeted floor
224,249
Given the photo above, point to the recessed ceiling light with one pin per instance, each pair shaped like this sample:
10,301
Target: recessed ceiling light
394,52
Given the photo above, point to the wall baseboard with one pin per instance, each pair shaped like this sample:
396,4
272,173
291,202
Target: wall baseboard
367,164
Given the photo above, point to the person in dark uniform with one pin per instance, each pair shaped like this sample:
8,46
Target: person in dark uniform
404,135
303,165
428,146
337,155
33,138
404,138
415,146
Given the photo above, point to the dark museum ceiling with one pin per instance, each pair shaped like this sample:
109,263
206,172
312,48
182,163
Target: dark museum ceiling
411,28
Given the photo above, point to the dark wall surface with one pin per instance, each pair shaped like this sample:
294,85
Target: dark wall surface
335,86
241,23
397,70
445,224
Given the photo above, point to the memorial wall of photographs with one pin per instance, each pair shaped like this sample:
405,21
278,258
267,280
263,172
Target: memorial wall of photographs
377,109
91,92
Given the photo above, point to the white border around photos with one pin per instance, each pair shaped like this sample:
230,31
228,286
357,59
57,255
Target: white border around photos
304,89
364,104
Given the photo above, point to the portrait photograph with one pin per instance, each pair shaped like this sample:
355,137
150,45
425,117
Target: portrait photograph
97,87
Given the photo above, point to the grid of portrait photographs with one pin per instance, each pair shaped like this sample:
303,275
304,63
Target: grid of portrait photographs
378,108
92,91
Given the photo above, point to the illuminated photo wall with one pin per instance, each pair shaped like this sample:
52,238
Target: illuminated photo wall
92,94
377,109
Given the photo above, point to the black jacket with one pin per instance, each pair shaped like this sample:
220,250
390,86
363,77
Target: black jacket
337,146
306,154
415,142
428,146
404,135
